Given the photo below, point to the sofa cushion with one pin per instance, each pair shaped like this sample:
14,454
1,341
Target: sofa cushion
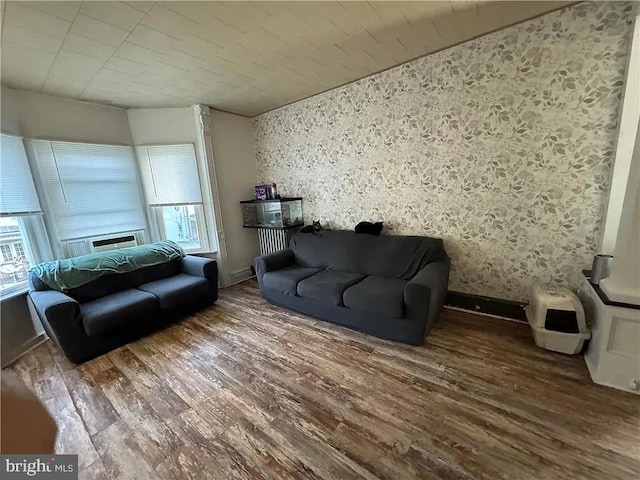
377,255
116,282
117,310
380,295
177,290
328,285
286,279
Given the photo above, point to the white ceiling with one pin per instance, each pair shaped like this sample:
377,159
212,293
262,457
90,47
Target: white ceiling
242,57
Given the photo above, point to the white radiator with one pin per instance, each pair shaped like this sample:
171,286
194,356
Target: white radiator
273,240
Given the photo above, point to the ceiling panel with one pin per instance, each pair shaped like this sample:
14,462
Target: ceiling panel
138,54
87,46
63,10
243,57
98,30
21,15
28,38
117,14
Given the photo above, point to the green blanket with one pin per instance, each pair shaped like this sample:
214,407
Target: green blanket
70,273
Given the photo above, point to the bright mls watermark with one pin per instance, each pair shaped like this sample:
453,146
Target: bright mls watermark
50,467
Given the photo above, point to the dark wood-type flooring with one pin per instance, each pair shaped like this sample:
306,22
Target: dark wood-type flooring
248,390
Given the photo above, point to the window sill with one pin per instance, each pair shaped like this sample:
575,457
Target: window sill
201,252
14,293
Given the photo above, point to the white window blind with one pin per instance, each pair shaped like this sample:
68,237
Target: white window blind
91,189
170,174
17,191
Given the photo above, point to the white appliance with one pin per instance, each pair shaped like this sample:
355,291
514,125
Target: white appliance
84,246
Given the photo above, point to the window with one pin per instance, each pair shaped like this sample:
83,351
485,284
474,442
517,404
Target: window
180,224
6,252
14,266
172,189
19,249
90,189
23,239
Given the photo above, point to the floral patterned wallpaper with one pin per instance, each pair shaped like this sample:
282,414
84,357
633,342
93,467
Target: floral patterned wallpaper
502,146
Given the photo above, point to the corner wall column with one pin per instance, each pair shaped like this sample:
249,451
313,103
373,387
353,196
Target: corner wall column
212,208
627,133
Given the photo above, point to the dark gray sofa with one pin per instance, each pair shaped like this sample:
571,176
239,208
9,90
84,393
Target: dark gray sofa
115,309
389,286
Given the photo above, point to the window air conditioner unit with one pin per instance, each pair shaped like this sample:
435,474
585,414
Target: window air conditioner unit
113,243
84,246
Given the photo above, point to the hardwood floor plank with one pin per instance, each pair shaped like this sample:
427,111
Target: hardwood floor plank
150,386
95,471
319,457
227,408
190,386
218,459
383,462
73,437
146,426
39,372
45,376
247,390
121,455
260,450
90,402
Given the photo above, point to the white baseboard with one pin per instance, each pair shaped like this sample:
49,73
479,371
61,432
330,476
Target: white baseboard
241,275
26,347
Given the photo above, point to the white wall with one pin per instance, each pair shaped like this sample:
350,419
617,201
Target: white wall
10,113
235,163
37,115
162,125
18,332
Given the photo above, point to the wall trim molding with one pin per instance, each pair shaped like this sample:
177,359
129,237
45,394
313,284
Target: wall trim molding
25,348
497,307
241,275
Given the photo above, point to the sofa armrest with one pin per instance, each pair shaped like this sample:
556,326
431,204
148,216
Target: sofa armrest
424,295
200,267
56,308
273,261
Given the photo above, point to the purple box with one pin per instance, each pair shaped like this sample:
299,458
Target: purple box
262,192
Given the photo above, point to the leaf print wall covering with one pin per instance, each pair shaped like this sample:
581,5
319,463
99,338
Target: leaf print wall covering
502,146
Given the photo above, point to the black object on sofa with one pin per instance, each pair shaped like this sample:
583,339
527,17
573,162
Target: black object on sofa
115,309
389,286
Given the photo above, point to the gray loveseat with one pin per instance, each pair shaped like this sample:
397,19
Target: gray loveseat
115,309
389,286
